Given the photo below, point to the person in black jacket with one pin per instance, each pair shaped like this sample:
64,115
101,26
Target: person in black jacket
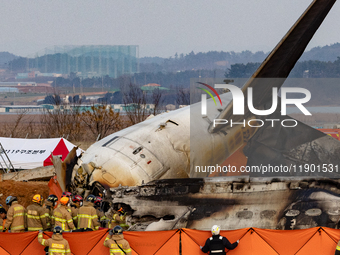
216,244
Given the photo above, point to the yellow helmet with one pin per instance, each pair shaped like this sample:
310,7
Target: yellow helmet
37,198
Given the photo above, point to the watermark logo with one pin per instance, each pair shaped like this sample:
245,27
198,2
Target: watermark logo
204,97
239,102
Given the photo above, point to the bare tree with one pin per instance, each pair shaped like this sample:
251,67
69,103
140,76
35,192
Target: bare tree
102,120
183,96
157,100
135,103
31,127
62,121
17,128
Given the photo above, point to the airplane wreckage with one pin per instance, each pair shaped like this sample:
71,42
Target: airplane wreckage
150,169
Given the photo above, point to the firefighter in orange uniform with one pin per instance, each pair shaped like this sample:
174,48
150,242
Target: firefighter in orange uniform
37,216
57,245
16,216
49,207
62,217
118,218
101,216
69,195
116,242
87,215
77,201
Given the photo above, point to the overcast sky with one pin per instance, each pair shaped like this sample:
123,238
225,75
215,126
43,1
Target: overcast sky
160,28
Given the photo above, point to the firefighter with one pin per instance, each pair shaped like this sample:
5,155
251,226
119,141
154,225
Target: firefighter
216,244
57,245
118,218
77,201
62,217
66,194
36,215
116,242
16,216
49,207
337,249
69,195
87,215
101,216
3,217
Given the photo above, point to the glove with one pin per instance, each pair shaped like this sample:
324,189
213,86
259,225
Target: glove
238,241
40,231
111,232
201,247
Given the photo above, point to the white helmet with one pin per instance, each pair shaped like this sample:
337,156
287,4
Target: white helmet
215,230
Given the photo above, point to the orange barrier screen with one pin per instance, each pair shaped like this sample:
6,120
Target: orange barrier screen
253,241
54,187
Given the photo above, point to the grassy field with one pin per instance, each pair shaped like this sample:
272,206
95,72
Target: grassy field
30,98
20,99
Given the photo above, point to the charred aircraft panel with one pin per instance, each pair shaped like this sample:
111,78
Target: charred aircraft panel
232,202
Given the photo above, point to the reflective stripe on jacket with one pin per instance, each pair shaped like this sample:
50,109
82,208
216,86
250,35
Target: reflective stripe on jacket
62,217
36,217
74,214
337,250
102,218
16,218
87,217
118,220
57,244
49,211
110,241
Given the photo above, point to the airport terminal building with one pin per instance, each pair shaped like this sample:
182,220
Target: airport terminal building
86,60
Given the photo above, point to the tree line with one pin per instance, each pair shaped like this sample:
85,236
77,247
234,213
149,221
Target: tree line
304,69
167,80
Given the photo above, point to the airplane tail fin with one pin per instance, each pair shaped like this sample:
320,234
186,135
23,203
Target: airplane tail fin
283,57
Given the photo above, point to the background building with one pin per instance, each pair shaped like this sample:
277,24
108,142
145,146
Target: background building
85,60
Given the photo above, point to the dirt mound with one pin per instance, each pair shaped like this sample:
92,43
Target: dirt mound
24,191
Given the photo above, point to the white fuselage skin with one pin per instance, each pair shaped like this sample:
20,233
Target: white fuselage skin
151,150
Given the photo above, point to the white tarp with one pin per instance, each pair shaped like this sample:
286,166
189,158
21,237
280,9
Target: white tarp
32,153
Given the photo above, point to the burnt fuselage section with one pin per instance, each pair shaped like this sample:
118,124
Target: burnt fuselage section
231,202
